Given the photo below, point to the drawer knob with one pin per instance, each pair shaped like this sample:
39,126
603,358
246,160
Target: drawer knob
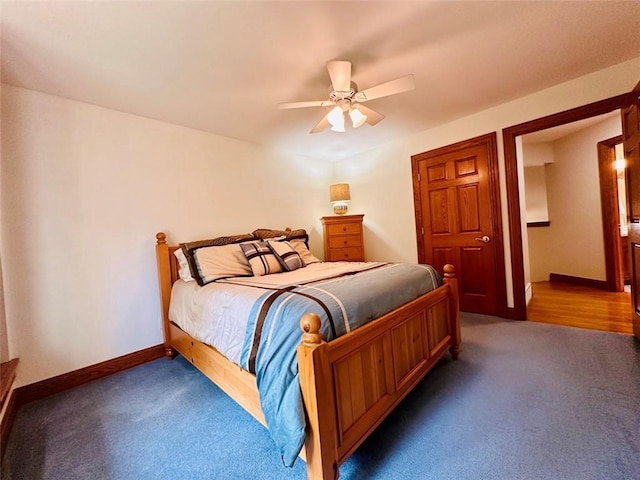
345,242
344,229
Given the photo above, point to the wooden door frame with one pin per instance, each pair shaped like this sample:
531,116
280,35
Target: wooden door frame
490,142
509,134
610,213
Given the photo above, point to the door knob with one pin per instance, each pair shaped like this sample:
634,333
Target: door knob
484,239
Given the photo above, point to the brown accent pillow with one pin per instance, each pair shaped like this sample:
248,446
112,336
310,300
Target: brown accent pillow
287,233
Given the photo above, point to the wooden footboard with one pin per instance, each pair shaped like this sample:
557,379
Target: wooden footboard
349,385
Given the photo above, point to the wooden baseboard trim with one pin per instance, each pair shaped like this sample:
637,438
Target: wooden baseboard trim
585,282
538,224
50,386
7,375
6,422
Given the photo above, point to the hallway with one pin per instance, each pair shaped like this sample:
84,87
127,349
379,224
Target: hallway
579,306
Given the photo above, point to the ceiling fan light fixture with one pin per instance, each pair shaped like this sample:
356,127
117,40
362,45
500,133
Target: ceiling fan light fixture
338,128
336,119
357,117
346,98
335,116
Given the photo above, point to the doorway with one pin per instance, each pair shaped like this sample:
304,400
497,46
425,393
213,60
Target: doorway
568,275
612,173
512,166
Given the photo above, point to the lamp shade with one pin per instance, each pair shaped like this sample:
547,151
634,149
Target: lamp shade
339,192
357,117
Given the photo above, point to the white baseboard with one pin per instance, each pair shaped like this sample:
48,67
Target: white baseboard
528,293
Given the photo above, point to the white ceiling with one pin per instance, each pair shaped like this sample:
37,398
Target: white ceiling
223,66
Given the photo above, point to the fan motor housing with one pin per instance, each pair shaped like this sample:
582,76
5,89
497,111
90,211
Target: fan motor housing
335,95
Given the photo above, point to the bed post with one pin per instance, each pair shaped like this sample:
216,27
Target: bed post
316,382
164,282
454,309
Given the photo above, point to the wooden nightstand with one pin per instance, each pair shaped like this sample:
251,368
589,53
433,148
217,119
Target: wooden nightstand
343,238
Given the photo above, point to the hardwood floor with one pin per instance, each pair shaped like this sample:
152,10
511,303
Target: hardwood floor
578,306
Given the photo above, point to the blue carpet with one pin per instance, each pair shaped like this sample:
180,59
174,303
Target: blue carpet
525,401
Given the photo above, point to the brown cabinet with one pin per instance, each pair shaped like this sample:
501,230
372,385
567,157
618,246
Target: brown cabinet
343,238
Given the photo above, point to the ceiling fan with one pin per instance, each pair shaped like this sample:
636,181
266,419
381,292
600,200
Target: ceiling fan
346,99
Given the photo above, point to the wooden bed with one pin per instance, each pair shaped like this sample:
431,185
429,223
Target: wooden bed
350,384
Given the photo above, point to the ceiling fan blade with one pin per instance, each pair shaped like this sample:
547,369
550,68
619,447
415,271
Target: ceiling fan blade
373,117
318,103
340,73
399,85
321,125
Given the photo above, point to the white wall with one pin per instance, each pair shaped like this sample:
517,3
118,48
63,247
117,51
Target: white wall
535,188
534,157
385,195
573,244
84,191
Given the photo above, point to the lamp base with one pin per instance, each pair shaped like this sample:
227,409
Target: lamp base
340,208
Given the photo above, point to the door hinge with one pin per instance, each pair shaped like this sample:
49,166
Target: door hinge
422,230
418,177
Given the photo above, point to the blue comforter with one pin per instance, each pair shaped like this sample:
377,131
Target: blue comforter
343,304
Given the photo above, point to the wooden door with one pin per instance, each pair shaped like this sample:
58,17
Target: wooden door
458,219
631,140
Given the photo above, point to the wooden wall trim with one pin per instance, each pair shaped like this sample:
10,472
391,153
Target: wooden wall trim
584,282
509,135
50,386
6,422
538,224
7,375
608,179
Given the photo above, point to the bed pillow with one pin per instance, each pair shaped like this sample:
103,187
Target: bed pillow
184,271
261,259
301,247
217,262
189,248
288,257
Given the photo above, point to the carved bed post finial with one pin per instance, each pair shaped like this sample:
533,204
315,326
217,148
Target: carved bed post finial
310,324
161,238
449,271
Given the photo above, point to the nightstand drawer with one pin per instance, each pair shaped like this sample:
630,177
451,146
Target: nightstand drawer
344,229
344,241
352,254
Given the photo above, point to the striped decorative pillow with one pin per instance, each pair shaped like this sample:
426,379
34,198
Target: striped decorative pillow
286,254
261,259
